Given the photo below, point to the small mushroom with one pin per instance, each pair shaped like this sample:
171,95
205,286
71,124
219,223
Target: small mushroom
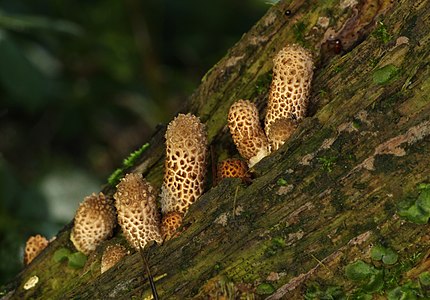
232,168
170,223
33,246
111,256
246,131
289,93
137,211
185,165
94,222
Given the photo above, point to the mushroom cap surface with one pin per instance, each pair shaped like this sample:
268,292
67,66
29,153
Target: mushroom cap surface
246,131
185,165
135,201
291,82
94,221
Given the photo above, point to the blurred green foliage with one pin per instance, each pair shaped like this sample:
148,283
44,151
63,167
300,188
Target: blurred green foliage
82,84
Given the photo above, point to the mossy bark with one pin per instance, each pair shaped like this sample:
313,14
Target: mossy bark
314,206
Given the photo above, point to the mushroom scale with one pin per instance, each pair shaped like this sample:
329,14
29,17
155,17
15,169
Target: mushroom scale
33,247
138,216
289,91
94,222
185,165
246,131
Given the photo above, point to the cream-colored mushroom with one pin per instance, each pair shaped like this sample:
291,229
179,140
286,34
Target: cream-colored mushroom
135,201
185,165
289,93
94,222
246,131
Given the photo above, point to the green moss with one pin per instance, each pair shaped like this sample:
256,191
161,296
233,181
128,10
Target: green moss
134,156
115,177
385,74
381,33
262,84
327,163
299,32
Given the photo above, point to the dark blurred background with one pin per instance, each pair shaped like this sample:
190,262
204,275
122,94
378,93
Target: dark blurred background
82,84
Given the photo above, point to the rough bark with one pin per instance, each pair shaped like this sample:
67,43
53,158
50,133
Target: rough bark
316,205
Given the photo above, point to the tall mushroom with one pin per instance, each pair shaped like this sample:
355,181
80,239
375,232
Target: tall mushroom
135,201
289,93
246,131
185,166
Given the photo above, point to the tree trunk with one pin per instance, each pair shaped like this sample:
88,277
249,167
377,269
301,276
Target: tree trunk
325,200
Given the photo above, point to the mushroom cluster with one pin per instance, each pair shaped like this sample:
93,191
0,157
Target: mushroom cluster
287,105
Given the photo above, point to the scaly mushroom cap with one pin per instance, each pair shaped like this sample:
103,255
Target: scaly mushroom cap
33,246
232,168
137,211
245,128
94,222
281,131
170,223
185,165
111,256
291,82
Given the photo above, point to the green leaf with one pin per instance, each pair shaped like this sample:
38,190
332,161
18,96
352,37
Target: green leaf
384,74
265,289
402,293
390,257
377,252
423,201
359,270
424,186
415,215
281,182
61,254
77,260
375,283
425,278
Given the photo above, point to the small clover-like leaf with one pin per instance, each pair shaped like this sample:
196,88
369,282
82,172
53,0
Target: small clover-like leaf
61,254
384,74
377,252
359,270
265,289
425,278
77,260
390,257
